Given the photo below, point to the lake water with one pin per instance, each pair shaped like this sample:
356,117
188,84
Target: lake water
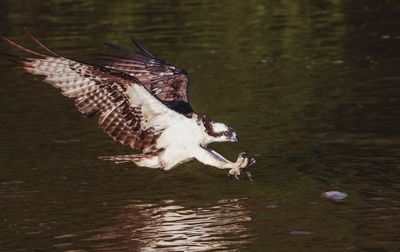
312,87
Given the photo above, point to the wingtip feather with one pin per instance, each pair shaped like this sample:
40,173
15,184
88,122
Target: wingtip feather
142,48
36,41
119,48
16,45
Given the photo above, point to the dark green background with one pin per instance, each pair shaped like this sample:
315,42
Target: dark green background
311,86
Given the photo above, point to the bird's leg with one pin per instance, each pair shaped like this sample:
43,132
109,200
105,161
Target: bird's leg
251,162
246,162
213,158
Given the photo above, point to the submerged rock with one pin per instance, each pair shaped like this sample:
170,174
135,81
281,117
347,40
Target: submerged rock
334,195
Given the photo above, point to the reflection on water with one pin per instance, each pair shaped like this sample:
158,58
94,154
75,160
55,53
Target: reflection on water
170,227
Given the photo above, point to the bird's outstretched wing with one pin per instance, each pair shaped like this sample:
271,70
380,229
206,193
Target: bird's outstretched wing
128,112
166,82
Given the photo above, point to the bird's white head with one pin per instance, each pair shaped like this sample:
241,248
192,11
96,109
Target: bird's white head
218,132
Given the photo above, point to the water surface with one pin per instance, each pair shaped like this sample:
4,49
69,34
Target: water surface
312,87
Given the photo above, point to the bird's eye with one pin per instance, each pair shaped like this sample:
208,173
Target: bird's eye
227,133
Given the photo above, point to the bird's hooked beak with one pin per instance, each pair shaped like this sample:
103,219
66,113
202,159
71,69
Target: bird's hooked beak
234,138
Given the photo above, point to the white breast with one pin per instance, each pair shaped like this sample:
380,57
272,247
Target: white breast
180,142
183,133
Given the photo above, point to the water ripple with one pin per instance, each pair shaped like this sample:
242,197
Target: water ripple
169,226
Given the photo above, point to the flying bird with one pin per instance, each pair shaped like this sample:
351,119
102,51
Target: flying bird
141,101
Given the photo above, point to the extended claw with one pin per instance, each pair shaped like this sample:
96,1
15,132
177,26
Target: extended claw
249,175
241,157
251,162
235,172
244,163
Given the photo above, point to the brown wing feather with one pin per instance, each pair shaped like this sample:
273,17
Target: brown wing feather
95,90
166,82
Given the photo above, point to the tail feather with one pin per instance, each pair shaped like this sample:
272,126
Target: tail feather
146,160
125,158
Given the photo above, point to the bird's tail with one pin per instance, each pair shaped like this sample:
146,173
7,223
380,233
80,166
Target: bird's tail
135,158
146,160
122,158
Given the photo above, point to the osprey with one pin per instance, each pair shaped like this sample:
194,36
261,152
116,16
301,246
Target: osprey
141,102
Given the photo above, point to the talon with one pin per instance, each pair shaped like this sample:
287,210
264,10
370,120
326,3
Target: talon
235,172
244,164
249,176
242,155
251,162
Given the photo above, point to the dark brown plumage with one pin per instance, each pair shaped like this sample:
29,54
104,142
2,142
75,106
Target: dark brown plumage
166,82
95,90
